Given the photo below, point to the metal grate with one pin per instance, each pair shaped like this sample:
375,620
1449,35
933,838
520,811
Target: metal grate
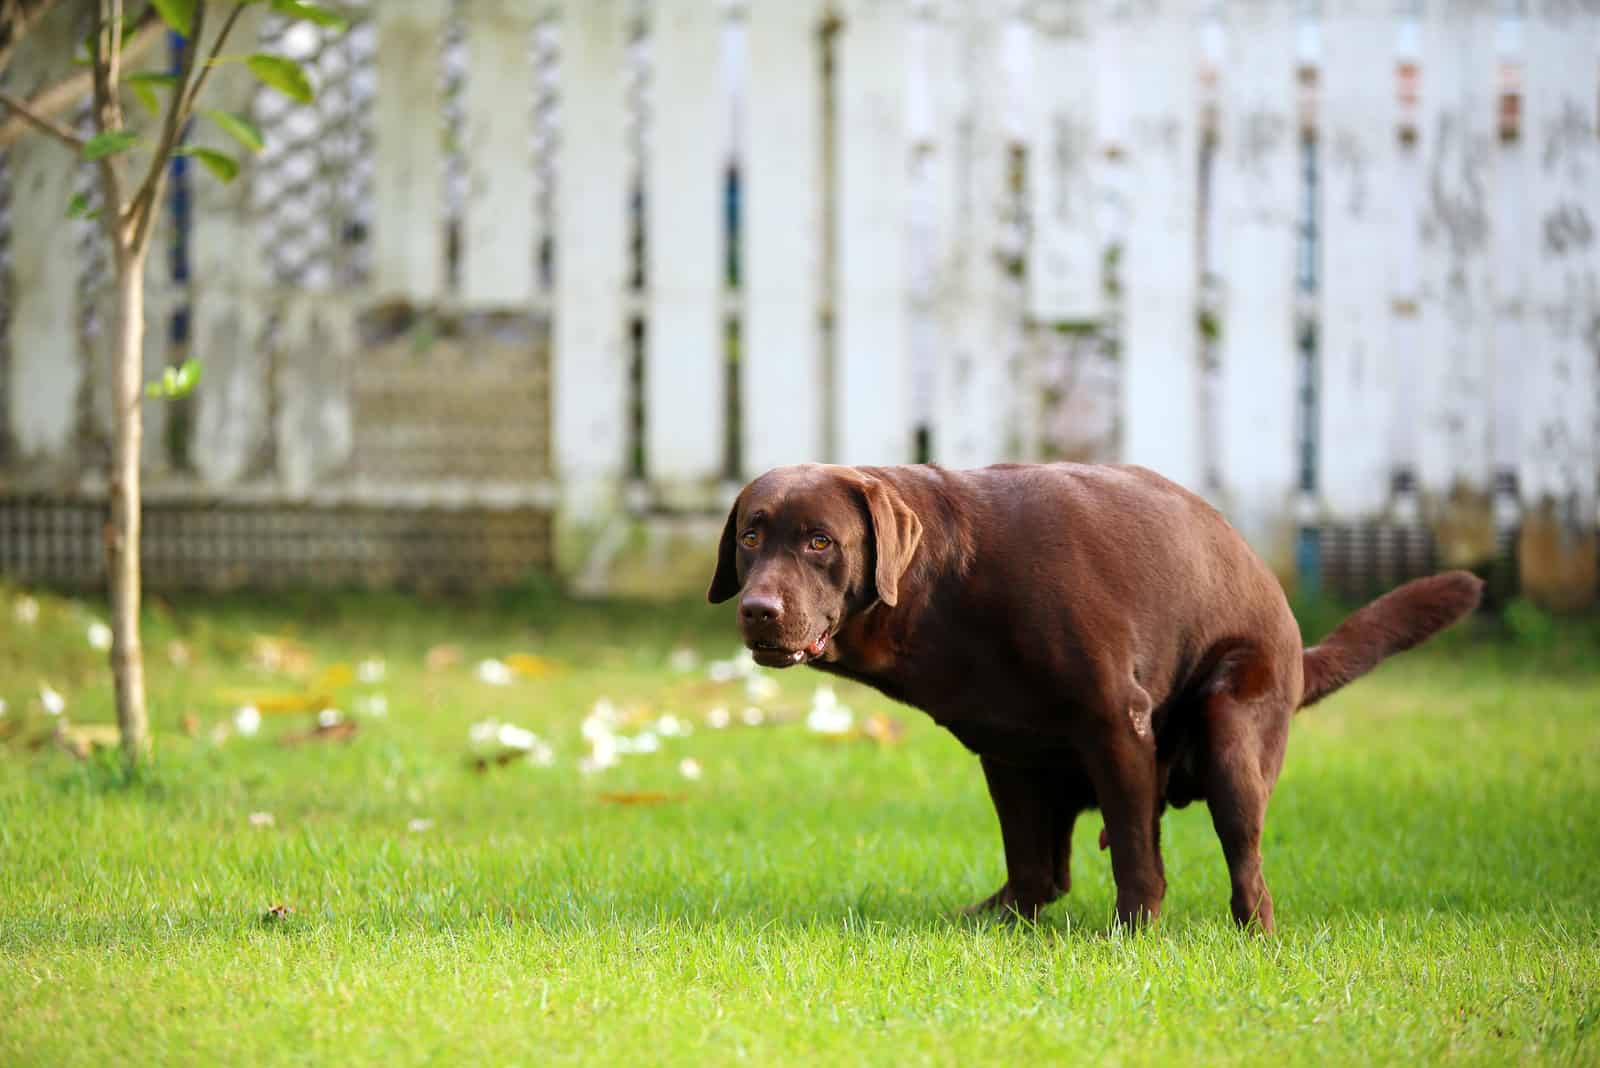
214,545
312,184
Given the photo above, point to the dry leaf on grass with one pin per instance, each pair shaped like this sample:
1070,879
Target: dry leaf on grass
884,729
639,797
442,657
277,913
342,731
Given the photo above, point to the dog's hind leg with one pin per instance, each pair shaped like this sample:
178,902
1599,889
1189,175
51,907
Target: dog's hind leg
1245,743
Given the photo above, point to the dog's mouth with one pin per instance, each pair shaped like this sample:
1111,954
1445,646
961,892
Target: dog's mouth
771,654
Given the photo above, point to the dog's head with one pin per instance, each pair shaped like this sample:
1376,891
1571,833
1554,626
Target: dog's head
807,547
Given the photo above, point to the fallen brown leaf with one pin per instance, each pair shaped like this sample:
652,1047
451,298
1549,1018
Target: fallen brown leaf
342,731
442,657
884,729
639,797
277,914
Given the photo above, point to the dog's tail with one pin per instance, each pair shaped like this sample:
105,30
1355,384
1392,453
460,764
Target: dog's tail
1392,624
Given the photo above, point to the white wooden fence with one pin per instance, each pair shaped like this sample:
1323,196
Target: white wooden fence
1327,267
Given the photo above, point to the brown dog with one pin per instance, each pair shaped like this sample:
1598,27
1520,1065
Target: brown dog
1098,635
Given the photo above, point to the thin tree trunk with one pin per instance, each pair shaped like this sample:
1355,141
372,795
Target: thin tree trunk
122,536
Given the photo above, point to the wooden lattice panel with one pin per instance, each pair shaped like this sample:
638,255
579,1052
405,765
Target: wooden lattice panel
218,545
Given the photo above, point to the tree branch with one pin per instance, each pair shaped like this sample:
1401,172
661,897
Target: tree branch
142,211
110,166
52,100
25,116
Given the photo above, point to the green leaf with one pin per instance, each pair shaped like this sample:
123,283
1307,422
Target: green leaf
301,9
282,74
109,143
179,14
79,206
218,163
239,128
146,97
153,77
175,381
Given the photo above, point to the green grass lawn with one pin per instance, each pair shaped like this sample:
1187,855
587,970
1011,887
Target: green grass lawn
1433,849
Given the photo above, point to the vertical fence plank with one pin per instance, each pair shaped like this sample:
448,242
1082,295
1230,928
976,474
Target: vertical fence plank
46,372
979,316
227,316
1161,369
1457,133
1355,358
1258,198
1064,274
1560,459
590,370
408,259
685,360
871,373
497,245
781,381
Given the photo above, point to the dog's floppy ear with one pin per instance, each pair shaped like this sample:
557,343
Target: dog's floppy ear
725,583
896,530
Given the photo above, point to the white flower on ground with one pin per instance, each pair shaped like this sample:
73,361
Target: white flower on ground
52,701
375,705
670,726
646,742
420,824
483,732
760,687
683,660
752,716
261,819
370,670
541,755
512,736
494,672
604,750
717,718
25,611
827,715
690,768
2,706
247,720
329,717
99,636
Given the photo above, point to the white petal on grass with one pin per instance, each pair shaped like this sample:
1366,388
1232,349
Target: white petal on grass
371,670
25,611
99,636
759,687
683,659
670,726
261,819
420,824
375,705
512,736
753,716
690,768
717,717
247,720
604,750
646,742
329,717
53,702
494,672
836,720
541,755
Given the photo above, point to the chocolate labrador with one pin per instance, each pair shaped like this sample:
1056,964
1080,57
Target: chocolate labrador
1098,635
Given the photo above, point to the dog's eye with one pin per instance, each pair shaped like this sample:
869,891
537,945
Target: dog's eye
820,542
749,538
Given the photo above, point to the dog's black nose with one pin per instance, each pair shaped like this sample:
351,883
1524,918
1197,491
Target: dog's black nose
757,608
